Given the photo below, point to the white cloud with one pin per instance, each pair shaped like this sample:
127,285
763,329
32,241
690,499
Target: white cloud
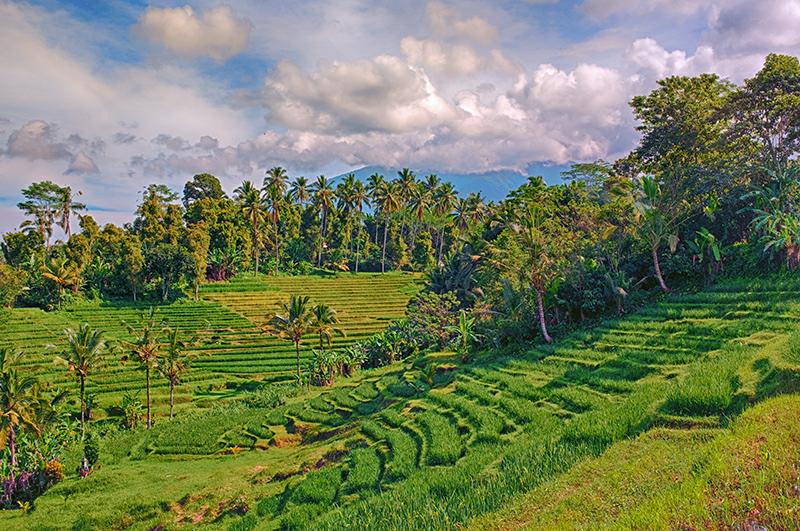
82,164
454,60
651,56
448,22
216,33
36,140
382,94
747,27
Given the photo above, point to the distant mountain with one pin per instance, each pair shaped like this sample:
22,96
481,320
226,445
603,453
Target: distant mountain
494,185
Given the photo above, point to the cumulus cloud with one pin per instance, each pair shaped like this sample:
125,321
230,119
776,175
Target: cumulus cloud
216,33
36,140
651,56
746,27
455,60
82,164
448,22
382,94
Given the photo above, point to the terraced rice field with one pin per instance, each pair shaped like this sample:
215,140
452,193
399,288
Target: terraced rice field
232,347
458,450
383,450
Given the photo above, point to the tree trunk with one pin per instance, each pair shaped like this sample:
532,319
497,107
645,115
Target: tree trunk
147,380
83,409
297,352
383,254
358,251
277,249
441,244
171,396
12,447
133,289
657,267
542,323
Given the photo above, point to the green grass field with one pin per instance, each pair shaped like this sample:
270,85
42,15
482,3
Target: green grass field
232,347
498,442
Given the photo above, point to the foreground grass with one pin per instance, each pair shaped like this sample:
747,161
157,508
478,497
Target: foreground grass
745,477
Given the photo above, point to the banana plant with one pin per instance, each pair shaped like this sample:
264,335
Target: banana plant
706,249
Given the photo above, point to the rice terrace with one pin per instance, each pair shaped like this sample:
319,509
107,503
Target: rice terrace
535,283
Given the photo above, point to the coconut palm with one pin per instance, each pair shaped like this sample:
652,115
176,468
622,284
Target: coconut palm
174,362
63,273
19,402
67,207
251,201
275,190
83,354
375,183
323,323
360,198
444,199
323,195
294,321
299,190
388,200
145,348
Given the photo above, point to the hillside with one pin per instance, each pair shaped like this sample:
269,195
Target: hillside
231,345
433,442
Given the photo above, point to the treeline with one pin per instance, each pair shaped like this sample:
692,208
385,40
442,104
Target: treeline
285,225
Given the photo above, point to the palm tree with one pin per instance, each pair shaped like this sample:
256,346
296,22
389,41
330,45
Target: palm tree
345,195
174,363
144,349
276,179
82,355
275,188
388,200
420,203
375,183
19,402
63,273
444,199
299,191
360,198
68,207
252,204
323,195
323,323
294,322
462,215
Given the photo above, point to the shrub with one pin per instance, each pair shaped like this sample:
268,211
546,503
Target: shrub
91,449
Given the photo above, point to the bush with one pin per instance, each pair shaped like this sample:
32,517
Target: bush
91,449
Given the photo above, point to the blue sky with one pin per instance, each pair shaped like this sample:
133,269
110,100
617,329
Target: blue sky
110,96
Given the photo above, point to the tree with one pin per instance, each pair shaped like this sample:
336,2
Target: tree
299,190
63,273
387,199
293,323
765,111
145,348
168,263
67,207
375,184
202,186
444,199
323,323
19,402
12,283
251,201
43,202
658,220
323,197
275,190
197,242
174,362
83,354
131,262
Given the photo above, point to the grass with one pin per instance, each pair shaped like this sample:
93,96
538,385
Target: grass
380,451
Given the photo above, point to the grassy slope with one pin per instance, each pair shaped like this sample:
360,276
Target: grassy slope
488,432
745,476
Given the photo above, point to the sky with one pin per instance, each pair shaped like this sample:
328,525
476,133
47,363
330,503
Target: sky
107,97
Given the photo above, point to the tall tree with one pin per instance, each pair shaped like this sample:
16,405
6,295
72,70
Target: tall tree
42,203
67,207
251,201
299,190
275,190
174,363
202,186
293,323
83,354
19,402
387,199
144,349
323,323
323,196
198,241
375,184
